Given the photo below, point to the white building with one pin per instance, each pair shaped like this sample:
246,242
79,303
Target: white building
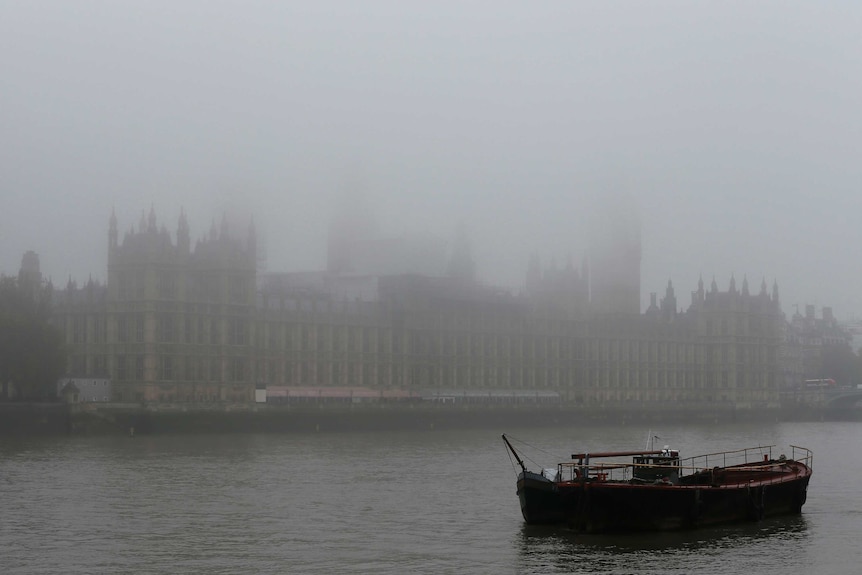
90,389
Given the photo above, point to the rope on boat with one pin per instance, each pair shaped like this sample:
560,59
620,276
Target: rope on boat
511,461
522,443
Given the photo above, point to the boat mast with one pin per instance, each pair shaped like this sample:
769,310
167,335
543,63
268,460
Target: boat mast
515,453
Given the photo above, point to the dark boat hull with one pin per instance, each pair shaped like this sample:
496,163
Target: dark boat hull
595,506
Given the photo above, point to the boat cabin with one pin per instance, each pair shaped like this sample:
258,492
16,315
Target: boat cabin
661,468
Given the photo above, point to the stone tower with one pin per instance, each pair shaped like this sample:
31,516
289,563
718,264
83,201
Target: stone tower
351,225
615,259
178,324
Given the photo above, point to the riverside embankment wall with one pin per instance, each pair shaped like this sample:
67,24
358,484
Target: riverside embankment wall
51,419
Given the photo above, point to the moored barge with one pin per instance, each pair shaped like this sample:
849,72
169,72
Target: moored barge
657,490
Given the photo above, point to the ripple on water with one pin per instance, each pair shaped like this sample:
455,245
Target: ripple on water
432,502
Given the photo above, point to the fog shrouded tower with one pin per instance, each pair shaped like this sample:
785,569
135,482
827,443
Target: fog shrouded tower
351,227
615,257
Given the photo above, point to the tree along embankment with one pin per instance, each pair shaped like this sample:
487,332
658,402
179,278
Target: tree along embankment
133,419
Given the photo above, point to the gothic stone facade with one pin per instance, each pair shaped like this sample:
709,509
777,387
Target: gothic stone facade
176,324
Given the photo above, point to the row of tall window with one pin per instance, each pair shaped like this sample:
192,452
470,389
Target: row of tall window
195,329
88,329
166,283
745,325
183,368
88,365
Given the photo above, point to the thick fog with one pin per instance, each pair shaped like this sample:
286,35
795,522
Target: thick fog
732,127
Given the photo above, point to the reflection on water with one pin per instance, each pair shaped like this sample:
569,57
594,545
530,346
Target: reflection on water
770,543
383,503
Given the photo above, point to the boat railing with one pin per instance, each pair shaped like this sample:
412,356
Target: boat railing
752,460
749,455
728,458
601,471
802,454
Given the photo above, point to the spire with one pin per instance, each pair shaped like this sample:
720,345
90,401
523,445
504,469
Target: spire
112,231
714,287
763,287
223,233
151,220
732,284
745,285
775,291
668,303
183,239
182,223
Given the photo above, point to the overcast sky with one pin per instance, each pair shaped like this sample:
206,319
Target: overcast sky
736,127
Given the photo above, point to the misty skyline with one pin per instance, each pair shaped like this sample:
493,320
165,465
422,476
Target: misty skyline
733,128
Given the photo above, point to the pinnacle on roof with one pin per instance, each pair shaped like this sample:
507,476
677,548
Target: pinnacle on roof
151,220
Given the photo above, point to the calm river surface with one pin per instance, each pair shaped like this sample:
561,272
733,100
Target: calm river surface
409,502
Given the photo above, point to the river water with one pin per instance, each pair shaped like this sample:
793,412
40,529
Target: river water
438,501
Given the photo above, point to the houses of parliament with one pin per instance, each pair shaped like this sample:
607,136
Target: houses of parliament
178,322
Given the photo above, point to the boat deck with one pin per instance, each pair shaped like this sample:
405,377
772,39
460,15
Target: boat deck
727,468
